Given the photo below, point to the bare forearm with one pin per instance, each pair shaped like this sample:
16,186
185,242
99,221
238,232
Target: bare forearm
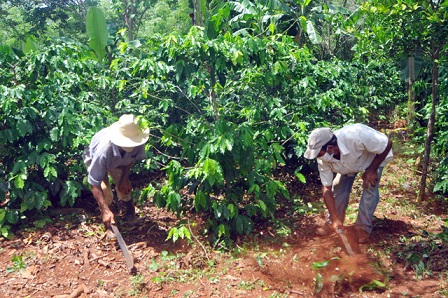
99,197
106,213
329,200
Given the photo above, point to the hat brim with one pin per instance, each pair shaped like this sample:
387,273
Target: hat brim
118,139
311,153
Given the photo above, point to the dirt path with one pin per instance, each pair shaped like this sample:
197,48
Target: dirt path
70,258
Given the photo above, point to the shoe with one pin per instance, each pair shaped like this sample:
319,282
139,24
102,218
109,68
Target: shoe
110,235
363,236
324,230
129,215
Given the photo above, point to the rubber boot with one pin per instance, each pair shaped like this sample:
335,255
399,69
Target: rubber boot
129,215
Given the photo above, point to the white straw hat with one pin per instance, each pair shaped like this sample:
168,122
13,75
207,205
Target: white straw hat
127,133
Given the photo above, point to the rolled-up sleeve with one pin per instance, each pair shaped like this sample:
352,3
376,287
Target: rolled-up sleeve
141,154
98,170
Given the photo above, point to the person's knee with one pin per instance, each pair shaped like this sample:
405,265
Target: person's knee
124,197
108,196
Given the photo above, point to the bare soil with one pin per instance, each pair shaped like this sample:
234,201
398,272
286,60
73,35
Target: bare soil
70,257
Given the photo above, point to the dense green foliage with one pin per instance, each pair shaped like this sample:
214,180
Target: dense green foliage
222,111
226,110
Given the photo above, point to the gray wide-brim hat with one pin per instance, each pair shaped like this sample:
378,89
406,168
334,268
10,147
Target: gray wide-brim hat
318,138
127,133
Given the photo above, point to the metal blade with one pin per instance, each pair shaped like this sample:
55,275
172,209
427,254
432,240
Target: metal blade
124,249
346,243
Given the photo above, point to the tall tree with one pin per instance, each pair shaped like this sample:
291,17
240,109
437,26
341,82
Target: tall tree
132,13
405,28
64,18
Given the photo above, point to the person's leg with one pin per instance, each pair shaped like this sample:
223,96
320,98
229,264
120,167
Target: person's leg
126,198
342,187
367,205
116,175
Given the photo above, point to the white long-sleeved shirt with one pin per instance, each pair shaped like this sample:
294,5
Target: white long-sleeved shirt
358,145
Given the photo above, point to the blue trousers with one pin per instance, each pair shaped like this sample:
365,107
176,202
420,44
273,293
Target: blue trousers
342,187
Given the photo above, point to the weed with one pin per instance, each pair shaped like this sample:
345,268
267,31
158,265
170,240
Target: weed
188,293
259,258
18,263
138,284
281,228
308,208
373,285
40,223
246,285
422,270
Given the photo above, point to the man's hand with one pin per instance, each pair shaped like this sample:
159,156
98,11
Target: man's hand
336,224
106,214
108,217
370,178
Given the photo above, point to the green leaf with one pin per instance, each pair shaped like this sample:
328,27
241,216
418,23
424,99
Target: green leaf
97,30
19,182
173,201
50,172
374,284
312,33
222,230
222,212
2,216
70,191
30,44
200,200
54,134
263,208
154,266
255,188
12,216
239,224
233,211
23,127
212,172
319,283
173,234
5,231
300,177
40,223
320,265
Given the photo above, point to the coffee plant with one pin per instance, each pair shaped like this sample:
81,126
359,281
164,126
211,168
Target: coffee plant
222,111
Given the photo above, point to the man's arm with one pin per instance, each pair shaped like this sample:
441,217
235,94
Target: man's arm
106,214
370,176
331,206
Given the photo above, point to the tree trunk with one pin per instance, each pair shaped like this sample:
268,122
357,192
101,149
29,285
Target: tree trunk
430,130
411,93
197,13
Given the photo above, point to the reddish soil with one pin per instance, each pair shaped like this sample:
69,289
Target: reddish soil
70,257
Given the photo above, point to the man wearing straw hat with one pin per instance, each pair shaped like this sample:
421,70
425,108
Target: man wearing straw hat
112,152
